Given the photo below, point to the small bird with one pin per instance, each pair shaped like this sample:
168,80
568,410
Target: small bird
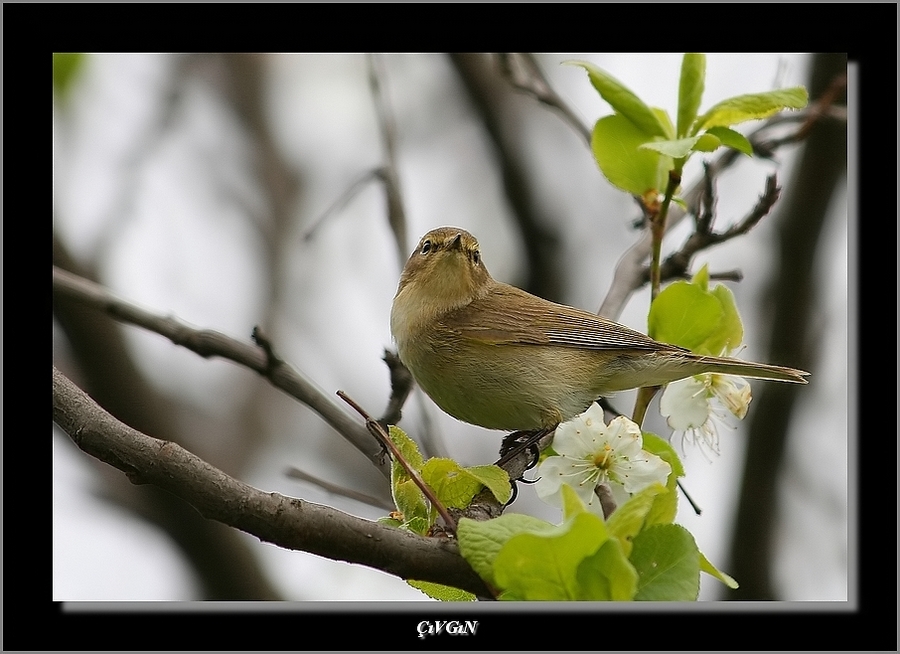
495,356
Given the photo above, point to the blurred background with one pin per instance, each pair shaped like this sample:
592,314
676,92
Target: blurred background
237,190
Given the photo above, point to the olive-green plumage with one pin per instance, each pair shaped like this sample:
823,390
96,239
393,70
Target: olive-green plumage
493,355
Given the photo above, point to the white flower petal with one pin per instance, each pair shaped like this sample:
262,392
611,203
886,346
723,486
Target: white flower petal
640,472
684,404
624,436
555,471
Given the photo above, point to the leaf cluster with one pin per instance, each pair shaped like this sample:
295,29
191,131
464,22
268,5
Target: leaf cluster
637,146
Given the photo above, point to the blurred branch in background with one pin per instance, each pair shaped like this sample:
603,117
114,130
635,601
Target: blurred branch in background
209,343
801,218
488,93
521,70
396,215
221,559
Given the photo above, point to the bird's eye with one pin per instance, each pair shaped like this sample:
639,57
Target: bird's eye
476,257
426,247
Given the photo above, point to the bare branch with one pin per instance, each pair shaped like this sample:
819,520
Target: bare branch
676,265
343,199
395,212
287,522
522,71
371,500
208,343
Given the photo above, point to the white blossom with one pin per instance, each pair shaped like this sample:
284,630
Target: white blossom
694,406
591,452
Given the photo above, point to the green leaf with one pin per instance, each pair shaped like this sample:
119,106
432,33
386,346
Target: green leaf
451,484
442,592
607,575
623,100
668,564
665,505
710,569
663,117
732,139
753,106
479,542
389,521
496,479
627,520
707,143
678,149
408,498
455,486
684,314
412,505
615,142
407,447
690,90
689,315
544,567
701,278
571,503
730,333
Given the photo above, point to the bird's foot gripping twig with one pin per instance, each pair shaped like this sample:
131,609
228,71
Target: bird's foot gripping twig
520,451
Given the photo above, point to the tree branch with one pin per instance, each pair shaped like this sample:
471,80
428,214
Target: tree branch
286,522
208,343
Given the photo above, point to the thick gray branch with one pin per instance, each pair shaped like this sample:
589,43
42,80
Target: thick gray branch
284,521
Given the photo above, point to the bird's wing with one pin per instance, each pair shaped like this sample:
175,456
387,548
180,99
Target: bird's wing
509,315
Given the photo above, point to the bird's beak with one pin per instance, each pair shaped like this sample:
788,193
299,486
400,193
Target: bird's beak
456,243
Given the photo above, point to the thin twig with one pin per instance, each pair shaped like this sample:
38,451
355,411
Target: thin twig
523,72
676,264
379,432
296,473
343,199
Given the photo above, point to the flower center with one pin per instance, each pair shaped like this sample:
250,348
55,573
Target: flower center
603,458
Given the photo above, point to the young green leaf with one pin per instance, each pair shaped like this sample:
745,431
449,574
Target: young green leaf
452,486
730,333
753,106
496,479
684,314
678,149
690,90
615,142
668,564
408,498
543,567
442,592
623,100
732,139
479,542
665,505
607,575
710,569
627,520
